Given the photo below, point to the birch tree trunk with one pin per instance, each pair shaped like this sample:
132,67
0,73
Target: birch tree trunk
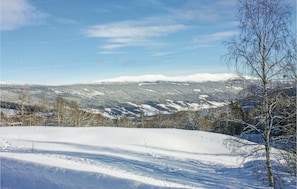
265,48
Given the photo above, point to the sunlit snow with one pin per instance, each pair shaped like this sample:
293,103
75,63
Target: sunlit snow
109,157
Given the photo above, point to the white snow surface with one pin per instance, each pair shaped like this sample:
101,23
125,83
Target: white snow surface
112,157
200,77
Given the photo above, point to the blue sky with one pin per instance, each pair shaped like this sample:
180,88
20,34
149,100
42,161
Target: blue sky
75,41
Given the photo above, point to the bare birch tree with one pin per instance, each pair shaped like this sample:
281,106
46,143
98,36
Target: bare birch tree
264,48
24,99
60,106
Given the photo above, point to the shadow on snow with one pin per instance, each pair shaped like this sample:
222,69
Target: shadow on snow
188,172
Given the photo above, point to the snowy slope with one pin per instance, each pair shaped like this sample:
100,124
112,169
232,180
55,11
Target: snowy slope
109,157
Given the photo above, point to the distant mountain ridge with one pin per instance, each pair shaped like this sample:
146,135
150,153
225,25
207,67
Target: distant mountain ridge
129,96
200,77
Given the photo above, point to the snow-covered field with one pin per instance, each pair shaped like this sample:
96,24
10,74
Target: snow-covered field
109,157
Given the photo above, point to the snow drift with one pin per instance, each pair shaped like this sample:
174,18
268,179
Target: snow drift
109,157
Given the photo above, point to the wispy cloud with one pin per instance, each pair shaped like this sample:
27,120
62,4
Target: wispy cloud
152,30
215,36
130,33
156,54
206,40
210,40
203,11
18,13
129,29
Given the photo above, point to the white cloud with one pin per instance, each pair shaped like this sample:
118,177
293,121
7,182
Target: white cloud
18,13
120,30
148,31
130,33
210,40
204,11
111,46
161,53
218,36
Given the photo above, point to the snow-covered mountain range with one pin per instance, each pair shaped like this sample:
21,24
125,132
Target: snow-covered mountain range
202,77
129,96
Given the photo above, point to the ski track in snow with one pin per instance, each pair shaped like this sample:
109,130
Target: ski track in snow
106,157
